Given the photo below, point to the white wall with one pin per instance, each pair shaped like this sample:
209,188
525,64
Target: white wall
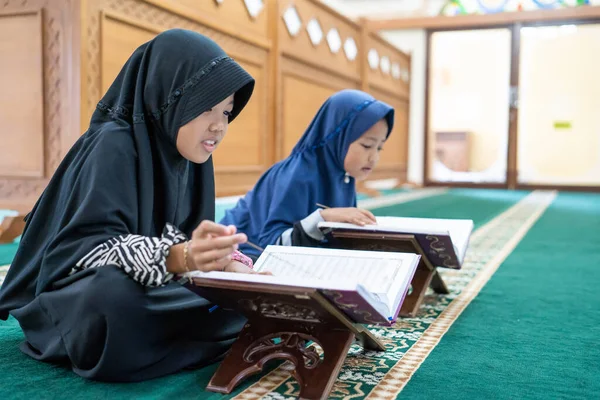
414,41
386,8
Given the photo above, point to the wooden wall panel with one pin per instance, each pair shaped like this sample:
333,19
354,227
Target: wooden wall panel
391,72
230,13
119,39
386,75
244,144
21,95
235,181
298,111
44,65
300,47
73,49
153,16
303,91
394,158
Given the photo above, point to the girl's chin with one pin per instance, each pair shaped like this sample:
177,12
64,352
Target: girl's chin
199,157
360,176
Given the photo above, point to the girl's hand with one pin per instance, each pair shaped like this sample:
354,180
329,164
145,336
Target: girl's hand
211,246
351,215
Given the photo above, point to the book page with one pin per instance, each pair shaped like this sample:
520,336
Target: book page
357,292
459,230
378,272
387,224
271,279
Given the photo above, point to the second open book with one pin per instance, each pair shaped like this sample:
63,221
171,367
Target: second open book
444,241
369,287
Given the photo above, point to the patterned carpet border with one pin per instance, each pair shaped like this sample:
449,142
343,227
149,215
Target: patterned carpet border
383,375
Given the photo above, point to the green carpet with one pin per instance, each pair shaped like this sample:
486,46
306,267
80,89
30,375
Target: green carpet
25,378
7,252
480,205
533,332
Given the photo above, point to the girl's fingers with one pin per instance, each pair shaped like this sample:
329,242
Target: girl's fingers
358,221
210,228
203,245
367,216
371,218
208,257
217,264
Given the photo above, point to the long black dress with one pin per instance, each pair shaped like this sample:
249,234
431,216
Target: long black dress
88,284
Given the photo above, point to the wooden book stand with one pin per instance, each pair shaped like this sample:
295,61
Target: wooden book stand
282,320
425,276
11,228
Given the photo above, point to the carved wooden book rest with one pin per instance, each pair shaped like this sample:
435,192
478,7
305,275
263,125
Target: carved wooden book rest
282,320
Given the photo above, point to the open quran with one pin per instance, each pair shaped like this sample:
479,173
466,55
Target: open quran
444,241
308,312
369,287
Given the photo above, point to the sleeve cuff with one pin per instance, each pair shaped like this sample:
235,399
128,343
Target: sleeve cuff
309,224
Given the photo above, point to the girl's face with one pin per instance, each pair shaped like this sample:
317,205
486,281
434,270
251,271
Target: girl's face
363,154
198,138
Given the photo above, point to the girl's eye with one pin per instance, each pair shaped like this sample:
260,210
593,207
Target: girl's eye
366,146
227,113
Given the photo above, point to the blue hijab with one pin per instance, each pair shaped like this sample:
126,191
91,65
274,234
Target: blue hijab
313,173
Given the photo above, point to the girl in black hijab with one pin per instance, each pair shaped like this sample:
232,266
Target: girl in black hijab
130,206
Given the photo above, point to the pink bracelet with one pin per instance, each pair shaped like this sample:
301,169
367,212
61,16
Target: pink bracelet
247,261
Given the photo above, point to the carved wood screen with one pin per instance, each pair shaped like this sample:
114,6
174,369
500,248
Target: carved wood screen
387,78
311,65
38,96
60,56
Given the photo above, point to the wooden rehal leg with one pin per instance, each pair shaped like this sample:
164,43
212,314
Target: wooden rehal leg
257,344
420,283
437,283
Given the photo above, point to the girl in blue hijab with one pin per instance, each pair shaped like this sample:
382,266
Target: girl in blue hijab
340,146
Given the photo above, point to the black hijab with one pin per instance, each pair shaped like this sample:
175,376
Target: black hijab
125,175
